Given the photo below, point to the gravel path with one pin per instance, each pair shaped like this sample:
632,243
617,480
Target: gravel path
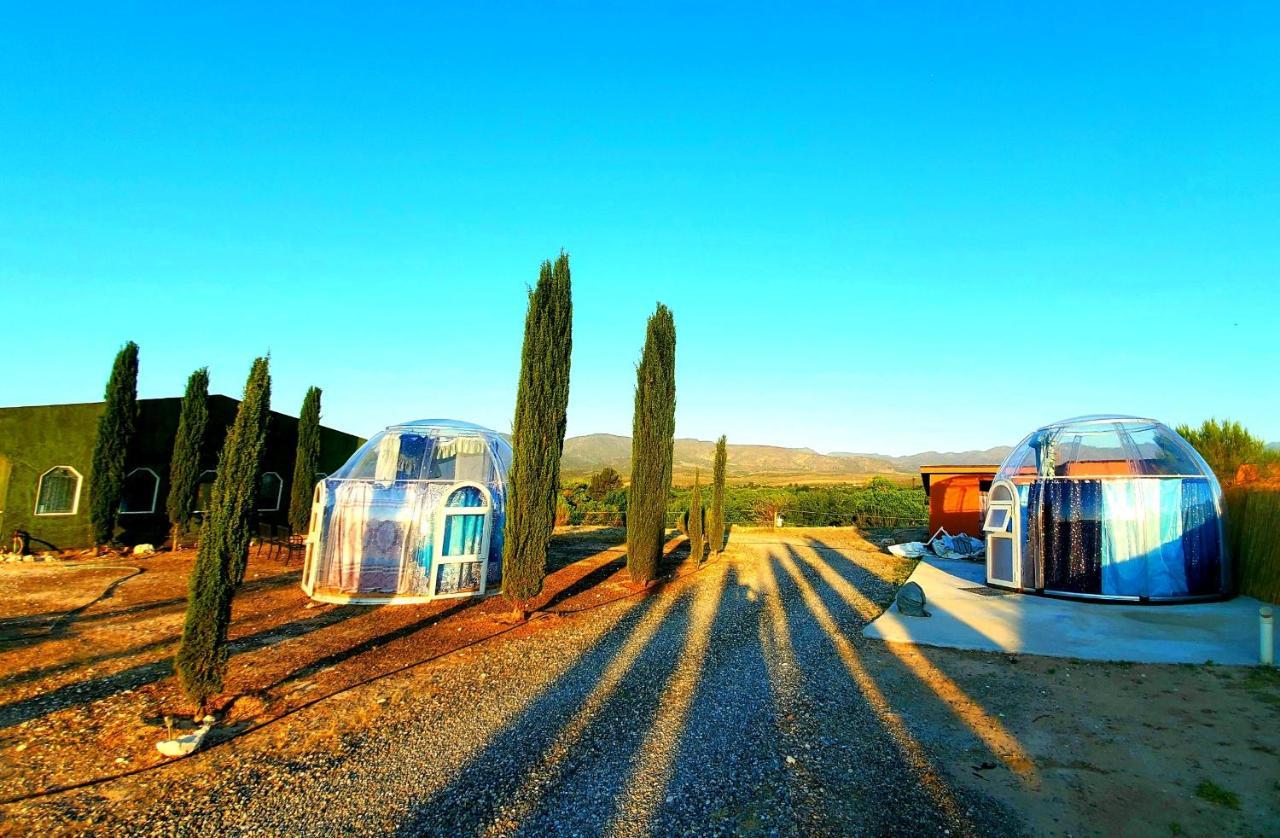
737,699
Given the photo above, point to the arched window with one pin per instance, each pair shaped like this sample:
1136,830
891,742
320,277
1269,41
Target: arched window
270,490
58,492
204,491
140,492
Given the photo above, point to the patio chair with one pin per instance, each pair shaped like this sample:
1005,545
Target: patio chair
289,543
267,539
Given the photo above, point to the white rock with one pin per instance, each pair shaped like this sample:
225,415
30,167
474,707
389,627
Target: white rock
143,550
181,746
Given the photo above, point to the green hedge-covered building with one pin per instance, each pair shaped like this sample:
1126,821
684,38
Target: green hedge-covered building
46,453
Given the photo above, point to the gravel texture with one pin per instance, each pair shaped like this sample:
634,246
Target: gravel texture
736,699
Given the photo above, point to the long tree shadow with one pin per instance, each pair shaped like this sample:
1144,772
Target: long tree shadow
23,632
910,663
372,643
605,695
859,728
725,727
97,689
167,606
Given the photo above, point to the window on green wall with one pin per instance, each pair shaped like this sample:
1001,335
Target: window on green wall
58,492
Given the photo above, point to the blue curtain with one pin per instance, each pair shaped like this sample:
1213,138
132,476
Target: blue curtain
463,534
1201,538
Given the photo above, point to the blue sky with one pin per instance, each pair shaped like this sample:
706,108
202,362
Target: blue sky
880,227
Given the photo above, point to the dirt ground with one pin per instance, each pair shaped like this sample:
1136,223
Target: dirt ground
1054,746
86,650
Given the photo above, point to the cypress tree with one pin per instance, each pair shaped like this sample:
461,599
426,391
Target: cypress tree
696,542
715,520
184,466
652,439
224,546
537,434
115,429
305,462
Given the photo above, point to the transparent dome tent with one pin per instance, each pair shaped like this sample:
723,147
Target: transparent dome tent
416,514
1107,507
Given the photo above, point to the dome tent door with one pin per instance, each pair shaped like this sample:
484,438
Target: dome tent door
1004,537
462,548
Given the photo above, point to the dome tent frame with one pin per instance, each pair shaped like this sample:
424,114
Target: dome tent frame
1107,507
415,515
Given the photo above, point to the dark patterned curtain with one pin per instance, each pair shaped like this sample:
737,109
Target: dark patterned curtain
1201,542
1071,537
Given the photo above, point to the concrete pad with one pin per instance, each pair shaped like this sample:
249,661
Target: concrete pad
968,615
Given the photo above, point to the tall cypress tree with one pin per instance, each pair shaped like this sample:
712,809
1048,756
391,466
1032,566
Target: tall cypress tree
696,541
652,439
715,520
537,434
305,462
184,466
224,546
115,429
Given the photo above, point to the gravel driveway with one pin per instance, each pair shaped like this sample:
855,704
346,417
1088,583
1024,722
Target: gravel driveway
736,699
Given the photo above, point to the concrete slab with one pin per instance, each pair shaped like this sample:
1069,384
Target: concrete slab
968,615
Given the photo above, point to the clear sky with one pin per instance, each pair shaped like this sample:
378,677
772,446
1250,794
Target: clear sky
881,227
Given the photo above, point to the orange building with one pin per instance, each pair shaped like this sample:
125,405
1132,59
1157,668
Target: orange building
957,496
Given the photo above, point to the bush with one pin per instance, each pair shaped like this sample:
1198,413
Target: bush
1226,446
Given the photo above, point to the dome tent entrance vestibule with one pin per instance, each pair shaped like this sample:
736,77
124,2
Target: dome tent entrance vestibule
416,514
1107,507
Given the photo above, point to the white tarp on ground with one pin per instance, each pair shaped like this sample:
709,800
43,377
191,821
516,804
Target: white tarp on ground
943,545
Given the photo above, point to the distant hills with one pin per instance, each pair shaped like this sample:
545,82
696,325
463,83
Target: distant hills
764,463
912,462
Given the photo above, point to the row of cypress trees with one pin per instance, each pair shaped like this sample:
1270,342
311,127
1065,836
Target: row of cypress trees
706,527
116,428
223,554
537,439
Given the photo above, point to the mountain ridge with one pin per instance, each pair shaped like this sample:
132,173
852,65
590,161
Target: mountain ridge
590,452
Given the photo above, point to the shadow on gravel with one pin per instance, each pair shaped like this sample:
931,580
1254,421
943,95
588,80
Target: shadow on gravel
597,707
868,757
369,644
910,667
96,689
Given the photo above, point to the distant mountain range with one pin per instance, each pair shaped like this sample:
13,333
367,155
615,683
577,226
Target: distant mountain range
586,454
912,462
